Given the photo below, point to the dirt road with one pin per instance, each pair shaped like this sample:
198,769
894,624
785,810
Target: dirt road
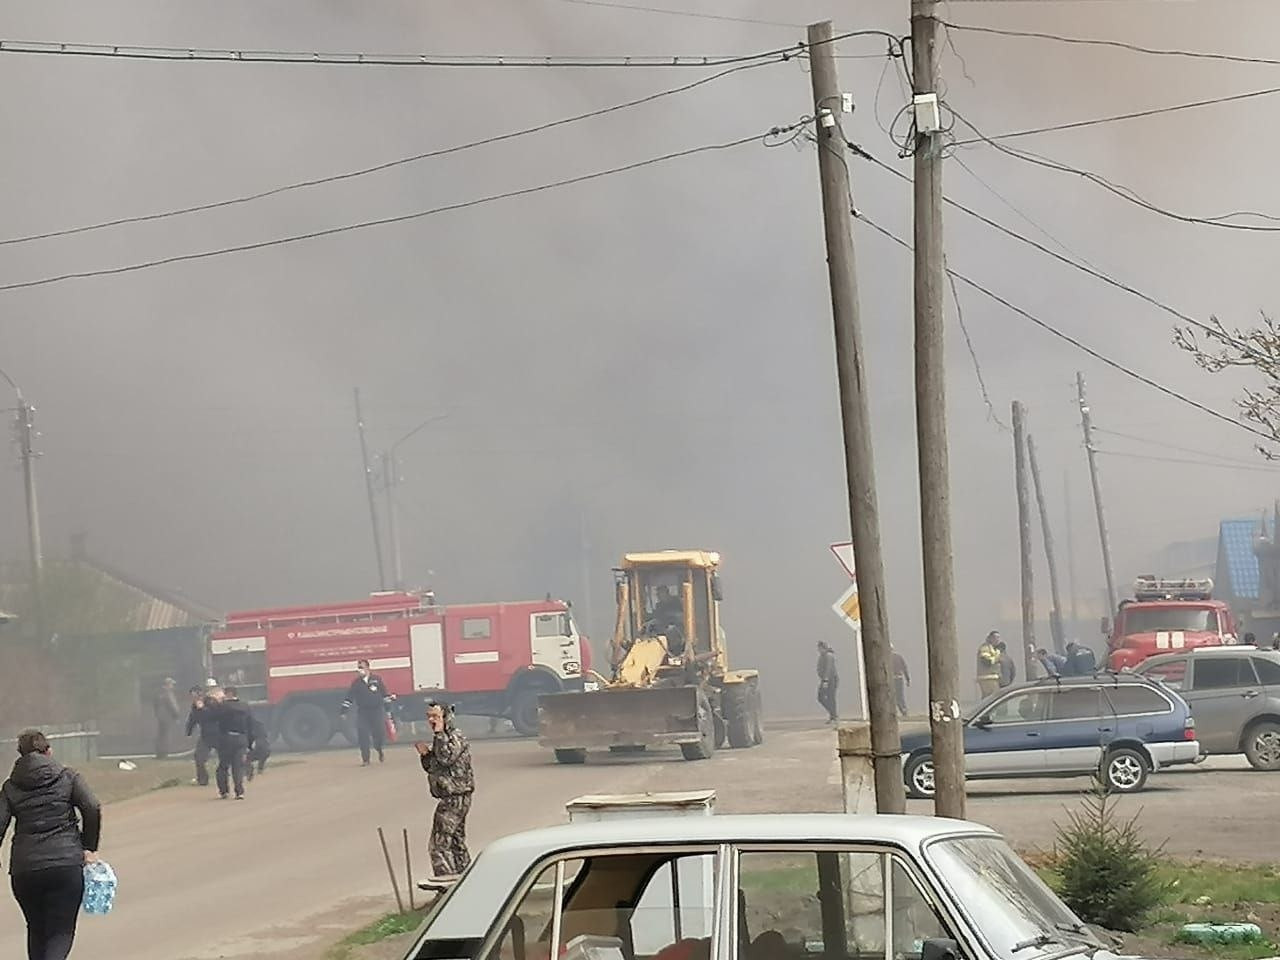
297,864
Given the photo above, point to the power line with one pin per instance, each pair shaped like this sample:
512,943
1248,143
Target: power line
1173,446
684,13
973,354
1127,194
389,164
1082,267
404,217
1256,468
1118,44
1067,338
297,57
1116,118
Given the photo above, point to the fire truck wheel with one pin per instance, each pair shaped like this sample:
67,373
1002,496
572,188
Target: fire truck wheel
524,712
1262,745
571,756
306,726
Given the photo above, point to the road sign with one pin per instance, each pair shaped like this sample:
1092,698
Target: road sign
848,607
844,554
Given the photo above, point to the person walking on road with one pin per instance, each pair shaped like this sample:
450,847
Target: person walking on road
368,694
167,714
1008,668
451,780
51,845
989,665
901,680
828,680
204,717
235,740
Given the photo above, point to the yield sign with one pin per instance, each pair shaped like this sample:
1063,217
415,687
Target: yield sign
844,554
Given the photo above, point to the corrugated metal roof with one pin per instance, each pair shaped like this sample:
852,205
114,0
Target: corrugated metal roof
1243,578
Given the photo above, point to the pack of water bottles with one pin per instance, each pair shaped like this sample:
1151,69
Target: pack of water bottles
99,888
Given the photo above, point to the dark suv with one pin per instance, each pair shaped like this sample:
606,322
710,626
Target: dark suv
1118,727
1234,694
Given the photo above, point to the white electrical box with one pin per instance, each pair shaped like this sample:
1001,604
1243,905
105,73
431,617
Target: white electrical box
928,113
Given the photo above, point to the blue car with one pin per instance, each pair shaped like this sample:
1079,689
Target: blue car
1118,727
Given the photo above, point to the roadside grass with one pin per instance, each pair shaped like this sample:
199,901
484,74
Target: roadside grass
385,928
110,784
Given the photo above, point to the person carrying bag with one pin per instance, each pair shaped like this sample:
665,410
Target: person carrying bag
51,844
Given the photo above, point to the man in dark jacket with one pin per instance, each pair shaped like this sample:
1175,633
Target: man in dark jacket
167,714
451,780
828,680
1006,665
235,740
260,752
204,717
50,848
368,694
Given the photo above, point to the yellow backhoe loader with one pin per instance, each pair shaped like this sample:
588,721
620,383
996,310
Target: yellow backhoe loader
670,683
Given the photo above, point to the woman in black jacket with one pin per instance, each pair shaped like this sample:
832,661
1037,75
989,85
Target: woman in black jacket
50,846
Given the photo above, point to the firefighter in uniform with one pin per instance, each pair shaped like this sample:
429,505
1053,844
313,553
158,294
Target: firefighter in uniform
447,763
235,727
204,716
368,694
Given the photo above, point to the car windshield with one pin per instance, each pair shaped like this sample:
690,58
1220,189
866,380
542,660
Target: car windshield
1159,619
1011,908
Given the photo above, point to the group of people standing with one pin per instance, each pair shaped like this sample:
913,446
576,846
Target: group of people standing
227,728
998,669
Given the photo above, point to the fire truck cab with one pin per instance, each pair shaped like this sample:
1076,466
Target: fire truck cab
1168,615
295,664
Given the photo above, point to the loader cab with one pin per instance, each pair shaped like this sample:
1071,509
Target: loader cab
676,595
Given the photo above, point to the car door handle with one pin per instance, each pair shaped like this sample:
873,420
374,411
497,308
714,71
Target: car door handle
1104,729
1033,734
1249,694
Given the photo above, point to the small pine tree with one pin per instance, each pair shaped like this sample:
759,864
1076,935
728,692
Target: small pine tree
1107,873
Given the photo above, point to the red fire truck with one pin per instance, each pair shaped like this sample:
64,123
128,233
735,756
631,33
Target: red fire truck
1168,615
489,659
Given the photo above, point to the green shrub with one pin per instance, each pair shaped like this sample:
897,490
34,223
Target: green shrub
1106,872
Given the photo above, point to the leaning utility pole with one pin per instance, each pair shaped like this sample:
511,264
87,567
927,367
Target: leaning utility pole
1086,424
1072,612
1055,613
368,488
864,513
1024,534
25,425
931,421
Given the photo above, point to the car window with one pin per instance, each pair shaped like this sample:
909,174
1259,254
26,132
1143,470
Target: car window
1027,707
790,905
1216,673
1268,671
1132,699
1075,703
1172,673
530,924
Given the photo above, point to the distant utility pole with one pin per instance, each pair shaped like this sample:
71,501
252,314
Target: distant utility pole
368,487
390,480
864,513
1024,534
24,426
931,420
1086,424
1055,614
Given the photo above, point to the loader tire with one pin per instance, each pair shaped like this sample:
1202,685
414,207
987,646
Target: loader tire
572,755
757,718
706,746
737,715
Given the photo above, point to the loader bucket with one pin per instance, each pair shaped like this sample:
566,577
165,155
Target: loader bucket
627,717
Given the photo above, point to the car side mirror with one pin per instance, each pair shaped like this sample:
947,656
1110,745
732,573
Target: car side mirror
940,948
982,722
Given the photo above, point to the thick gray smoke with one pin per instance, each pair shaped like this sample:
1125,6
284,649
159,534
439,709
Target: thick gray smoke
640,362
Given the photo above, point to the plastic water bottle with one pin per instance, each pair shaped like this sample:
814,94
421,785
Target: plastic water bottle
99,888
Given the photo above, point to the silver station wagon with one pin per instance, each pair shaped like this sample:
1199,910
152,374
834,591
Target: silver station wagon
763,887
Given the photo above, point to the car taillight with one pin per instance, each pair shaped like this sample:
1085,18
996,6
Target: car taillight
1189,729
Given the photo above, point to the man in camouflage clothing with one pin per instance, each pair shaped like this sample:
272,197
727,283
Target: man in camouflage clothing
447,762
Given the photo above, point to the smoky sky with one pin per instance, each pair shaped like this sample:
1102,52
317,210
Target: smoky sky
639,362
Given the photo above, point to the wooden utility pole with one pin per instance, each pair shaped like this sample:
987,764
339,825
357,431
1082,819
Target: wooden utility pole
390,479
855,416
931,421
1073,611
1055,613
1024,535
1086,424
368,489
25,425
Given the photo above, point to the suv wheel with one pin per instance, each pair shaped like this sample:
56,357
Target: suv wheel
1125,771
919,776
1262,745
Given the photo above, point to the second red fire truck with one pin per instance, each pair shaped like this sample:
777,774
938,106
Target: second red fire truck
489,659
1165,616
